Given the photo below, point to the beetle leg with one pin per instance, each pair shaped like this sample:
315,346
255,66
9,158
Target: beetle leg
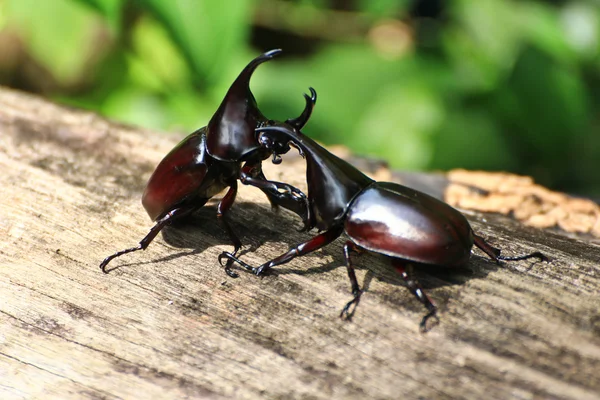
356,290
415,287
494,253
161,223
248,176
291,199
304,248
230,259
222,209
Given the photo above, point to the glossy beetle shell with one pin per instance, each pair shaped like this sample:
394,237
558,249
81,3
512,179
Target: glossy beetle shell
180,176
401,222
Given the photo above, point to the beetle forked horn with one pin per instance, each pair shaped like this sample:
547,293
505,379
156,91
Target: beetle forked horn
300,121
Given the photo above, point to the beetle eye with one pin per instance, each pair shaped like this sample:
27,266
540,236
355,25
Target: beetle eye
265,141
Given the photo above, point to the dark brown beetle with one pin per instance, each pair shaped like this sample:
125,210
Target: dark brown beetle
213,158
409,226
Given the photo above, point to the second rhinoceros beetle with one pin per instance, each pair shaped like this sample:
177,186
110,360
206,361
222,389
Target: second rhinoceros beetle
408,226
214,158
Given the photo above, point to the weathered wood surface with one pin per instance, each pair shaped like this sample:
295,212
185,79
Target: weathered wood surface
168,322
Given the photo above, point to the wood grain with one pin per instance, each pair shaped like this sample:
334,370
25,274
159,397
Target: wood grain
168,323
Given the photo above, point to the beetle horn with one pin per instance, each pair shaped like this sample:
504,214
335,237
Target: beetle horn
311,100
230,132
240,88
239,91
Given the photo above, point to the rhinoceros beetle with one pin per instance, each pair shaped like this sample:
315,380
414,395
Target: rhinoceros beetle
408,226
213,158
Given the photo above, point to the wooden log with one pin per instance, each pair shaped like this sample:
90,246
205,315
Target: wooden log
169,323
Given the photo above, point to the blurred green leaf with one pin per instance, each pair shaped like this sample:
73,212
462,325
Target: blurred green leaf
188,111
208,32
399,125
545,106
550,102
581,26
346,78
542,27
484,43
135,106
494,27
384,8
111,9
60,44
470,139
156,61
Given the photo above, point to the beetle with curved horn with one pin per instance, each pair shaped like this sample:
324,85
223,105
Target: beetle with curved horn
410,227
213,158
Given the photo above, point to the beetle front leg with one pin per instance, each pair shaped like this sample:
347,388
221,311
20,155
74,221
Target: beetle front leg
304,248
222,209
416,289
231,259
252,175
279,193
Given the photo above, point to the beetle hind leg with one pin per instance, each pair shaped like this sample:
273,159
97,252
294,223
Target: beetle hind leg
145,242
222,209
349,309
494,253
415,288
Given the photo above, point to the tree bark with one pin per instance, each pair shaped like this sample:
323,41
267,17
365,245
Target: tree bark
169,323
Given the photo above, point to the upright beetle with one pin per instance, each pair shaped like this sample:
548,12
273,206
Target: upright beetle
213,158
409,226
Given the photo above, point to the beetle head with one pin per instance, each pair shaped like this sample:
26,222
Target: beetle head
230,132
278,137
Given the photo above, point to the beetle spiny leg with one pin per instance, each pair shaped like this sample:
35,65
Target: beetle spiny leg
145,242
494,253
535,254
231,257
413,285
108,259
356,290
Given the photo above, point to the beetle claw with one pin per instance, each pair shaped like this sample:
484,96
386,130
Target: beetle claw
231,273
346,313
260,270
423,325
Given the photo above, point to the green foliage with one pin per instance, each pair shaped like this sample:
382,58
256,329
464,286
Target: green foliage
110,10
59,44
487,84
209,33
